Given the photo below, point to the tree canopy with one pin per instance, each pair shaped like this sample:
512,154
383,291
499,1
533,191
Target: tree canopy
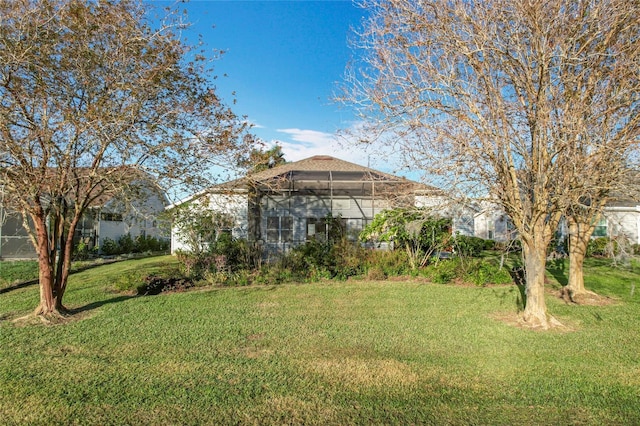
92,95
533,103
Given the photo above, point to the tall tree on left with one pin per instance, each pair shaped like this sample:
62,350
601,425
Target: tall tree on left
91,93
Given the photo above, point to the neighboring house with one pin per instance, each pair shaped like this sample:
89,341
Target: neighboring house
108,217
491,223
620,218
287,205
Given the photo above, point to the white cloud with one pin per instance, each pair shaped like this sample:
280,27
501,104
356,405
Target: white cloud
253,124
309,137
304,143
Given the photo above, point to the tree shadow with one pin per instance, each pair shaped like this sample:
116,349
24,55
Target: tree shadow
518,276
557,268
18,286
100,303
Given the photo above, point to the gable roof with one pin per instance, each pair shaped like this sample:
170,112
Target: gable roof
321,163
319,168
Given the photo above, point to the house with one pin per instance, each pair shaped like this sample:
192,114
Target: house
285,206
110,216
620,218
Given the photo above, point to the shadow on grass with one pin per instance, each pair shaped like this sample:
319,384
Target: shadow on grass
75,270
98,304
519,280
18,286
557,269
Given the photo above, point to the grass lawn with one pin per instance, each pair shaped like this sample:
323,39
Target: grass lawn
355,352
12,272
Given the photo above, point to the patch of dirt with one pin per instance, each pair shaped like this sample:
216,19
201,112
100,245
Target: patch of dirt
587,299
515,320
51,319
156,285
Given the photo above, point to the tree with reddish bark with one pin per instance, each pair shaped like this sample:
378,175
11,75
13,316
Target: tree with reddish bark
504,99
93,94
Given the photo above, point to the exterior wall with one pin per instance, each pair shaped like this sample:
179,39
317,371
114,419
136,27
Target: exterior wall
623,221
236,205
493,225
140,217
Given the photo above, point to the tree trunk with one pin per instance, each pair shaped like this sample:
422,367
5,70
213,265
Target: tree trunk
47,304
579,236
535,310
64,263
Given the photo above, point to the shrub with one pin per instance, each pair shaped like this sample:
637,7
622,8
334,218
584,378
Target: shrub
348,259
392,263
477,271
82,251
445,271
317,260
470,246
142,244
109,247
375,273
602,247
483,272
125,244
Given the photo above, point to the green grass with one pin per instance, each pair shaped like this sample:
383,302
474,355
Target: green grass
354,352
12,272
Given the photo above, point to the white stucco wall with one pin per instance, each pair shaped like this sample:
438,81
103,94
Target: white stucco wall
623,221
235,205
140,216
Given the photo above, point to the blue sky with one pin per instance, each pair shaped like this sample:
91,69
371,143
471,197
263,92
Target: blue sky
283,60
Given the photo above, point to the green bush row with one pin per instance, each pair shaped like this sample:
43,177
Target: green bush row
236,263
140,244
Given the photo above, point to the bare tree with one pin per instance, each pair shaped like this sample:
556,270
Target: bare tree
505,98
93,95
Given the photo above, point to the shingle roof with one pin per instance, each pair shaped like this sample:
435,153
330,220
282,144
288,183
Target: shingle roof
312,168
319,163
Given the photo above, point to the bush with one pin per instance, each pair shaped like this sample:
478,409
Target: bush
316,260
602,247
81,251
109,247
471,246
228,258
127,245
375,273
348,259
509,246
477,271
143,244
445,271
392,263
484,272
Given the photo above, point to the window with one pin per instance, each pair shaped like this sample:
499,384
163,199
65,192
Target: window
279,229
323,228
113,217
316,229
601,228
